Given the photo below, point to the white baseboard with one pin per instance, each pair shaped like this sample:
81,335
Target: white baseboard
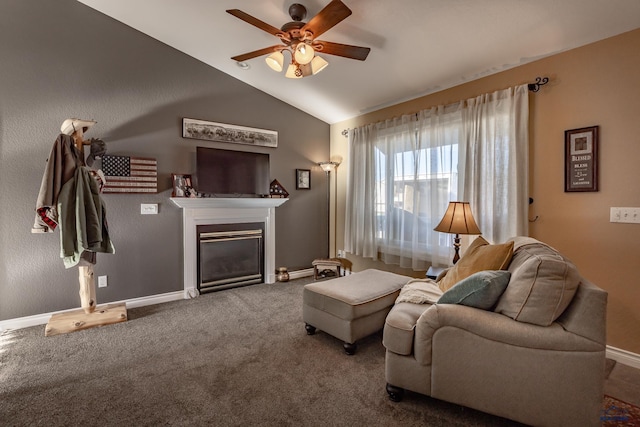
43,319
298,274
623,356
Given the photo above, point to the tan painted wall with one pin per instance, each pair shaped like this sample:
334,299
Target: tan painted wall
598,84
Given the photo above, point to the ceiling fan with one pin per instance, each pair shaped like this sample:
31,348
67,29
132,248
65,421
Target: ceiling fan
299,39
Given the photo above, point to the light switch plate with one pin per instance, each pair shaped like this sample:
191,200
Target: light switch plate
627,215
149,208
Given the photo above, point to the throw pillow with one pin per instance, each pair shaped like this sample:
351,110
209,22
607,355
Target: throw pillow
480,290
542,285
480,256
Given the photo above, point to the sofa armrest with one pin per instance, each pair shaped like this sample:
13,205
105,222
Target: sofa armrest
495,327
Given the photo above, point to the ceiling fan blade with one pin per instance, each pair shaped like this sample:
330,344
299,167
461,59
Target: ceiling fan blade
255,22
256,53
332,13
344,50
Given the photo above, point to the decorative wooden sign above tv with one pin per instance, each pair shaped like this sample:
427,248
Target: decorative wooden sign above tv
220,132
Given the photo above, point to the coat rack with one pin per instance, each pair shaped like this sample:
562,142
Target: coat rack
89,315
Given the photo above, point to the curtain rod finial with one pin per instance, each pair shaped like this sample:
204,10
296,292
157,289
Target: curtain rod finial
540,81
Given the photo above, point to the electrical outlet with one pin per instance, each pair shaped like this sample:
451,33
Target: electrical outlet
102,281
341,253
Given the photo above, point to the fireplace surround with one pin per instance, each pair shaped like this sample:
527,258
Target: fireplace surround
207,211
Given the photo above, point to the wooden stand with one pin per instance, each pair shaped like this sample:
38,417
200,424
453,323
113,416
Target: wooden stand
78,320
89,316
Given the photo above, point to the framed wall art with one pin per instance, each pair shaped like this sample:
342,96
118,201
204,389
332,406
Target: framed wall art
182,186
220,132
581,159
303,179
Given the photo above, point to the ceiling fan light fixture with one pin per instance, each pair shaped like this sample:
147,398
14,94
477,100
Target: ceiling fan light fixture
304,53
318,64
293,72
275,61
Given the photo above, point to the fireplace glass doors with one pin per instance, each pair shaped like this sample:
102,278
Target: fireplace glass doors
230,255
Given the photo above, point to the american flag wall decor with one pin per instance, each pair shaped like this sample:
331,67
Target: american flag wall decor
126,174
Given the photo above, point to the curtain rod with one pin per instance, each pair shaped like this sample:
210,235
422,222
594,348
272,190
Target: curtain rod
533,87
540,81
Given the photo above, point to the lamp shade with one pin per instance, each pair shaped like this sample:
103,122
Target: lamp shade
328,166
293,72
304,53
318,64
458,219
275,61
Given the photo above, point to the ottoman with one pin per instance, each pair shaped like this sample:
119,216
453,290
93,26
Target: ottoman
351,307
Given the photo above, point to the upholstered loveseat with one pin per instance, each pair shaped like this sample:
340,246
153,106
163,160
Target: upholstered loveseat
534,352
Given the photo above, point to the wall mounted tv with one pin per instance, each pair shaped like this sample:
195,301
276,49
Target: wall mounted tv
227,172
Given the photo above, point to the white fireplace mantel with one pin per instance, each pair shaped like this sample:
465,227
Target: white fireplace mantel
205,211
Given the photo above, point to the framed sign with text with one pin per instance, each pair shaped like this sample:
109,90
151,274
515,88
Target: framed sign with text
581,159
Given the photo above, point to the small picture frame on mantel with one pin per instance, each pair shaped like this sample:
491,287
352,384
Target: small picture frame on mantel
182,186
303,179
581,159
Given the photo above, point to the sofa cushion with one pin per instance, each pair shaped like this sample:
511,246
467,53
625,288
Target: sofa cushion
479,256
542,285
480,290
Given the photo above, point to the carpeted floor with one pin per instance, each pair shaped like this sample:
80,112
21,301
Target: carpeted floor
235,357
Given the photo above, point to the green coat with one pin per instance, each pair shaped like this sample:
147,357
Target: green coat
83,222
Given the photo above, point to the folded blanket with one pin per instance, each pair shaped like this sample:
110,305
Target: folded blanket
420,291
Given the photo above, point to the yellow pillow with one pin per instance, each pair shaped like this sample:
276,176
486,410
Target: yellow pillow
480,256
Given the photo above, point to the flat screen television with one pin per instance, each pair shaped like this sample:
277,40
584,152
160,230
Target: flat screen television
227,172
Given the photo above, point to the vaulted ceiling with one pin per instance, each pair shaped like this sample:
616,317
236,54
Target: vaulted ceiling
417,46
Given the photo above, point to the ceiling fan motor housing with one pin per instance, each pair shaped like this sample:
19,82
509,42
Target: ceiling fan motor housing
297,12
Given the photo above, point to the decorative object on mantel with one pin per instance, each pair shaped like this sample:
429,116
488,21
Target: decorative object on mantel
299,39
282,274
182,186
458,220
132,175
303,179
220,132
277,190
581,159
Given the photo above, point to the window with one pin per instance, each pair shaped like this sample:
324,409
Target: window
404,172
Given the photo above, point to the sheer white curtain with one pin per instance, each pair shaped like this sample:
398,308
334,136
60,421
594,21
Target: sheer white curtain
405,170
496,173
403,174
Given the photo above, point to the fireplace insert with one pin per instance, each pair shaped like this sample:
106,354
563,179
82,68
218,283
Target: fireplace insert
230,255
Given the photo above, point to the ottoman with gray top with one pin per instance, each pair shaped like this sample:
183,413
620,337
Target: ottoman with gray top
351,307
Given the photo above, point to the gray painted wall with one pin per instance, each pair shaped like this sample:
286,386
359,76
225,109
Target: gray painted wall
61,59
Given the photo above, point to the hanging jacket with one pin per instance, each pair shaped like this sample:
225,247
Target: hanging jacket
82,219
61,166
